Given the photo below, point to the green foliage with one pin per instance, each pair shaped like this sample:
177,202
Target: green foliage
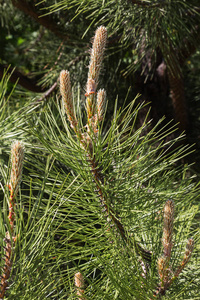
61,227
12,116
150,181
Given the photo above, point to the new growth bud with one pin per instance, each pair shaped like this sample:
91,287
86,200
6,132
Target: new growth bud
161,267
66,92
165,272
188,252
96,58
168,228
163,261
79,283
101,103
17,155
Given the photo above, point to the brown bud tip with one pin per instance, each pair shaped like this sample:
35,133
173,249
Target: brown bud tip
189,249
66,92
79,283
161,265
17,156
188,252
91,87
168,227
101,104
97,52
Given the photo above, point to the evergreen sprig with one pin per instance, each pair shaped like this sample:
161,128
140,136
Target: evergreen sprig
121,182
90,204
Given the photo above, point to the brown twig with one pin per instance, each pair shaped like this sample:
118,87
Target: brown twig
17,76
54,86
47,93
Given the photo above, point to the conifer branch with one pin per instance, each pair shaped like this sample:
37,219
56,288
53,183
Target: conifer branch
110,215
17,155
95,112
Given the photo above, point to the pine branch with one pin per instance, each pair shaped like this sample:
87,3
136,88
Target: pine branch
17,155
95,114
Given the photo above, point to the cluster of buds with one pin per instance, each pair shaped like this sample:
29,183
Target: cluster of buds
167,276
95,109
95,104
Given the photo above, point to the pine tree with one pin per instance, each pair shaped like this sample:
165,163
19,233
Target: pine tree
97,212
